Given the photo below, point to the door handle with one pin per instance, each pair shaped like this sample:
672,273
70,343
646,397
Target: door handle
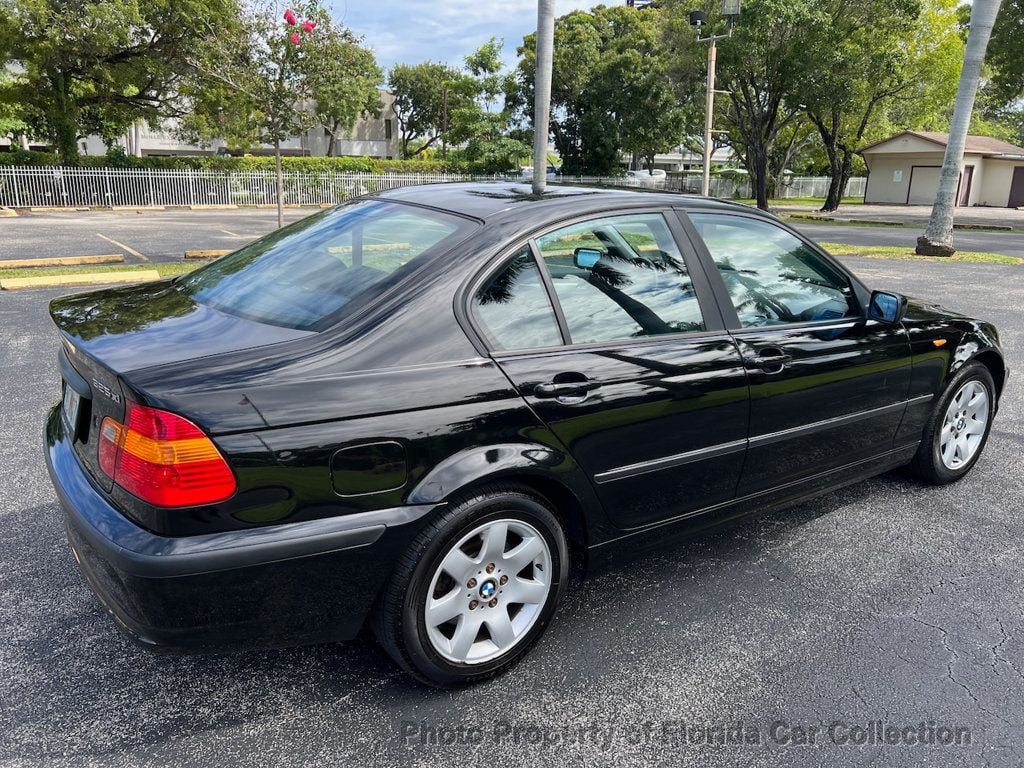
772,359
565,389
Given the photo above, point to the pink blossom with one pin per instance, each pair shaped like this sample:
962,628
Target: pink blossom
308,25
289,16
295,38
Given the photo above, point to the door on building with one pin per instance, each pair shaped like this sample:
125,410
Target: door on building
963,196
1017,188
924,183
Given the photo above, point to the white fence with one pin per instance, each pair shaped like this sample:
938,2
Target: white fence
57,187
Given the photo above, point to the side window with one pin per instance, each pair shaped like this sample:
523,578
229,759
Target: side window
620,277
513,308
772,277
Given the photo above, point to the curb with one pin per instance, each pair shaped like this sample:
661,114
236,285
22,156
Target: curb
60,209
211,207
89,278
809,217
996,227
62,261
8,213
207,254
877,222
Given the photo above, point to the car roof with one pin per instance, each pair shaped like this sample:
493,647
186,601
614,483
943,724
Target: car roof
492,200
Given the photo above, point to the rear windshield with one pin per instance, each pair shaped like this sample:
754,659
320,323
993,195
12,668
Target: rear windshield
317,270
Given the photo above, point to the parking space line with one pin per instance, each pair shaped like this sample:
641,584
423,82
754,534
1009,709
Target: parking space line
233,234
132,251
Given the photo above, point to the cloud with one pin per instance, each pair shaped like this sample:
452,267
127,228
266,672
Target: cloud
410,31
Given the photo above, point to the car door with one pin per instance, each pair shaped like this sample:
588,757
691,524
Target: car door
828,386
618,346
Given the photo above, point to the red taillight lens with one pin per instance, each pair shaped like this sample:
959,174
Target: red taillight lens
164,459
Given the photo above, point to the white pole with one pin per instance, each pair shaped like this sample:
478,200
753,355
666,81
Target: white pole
709,117
542,92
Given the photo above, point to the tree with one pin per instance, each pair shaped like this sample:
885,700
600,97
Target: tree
869,54
610,88
758,66
345,80
96,66
484,134
1004,52
254,82
425,95
938,238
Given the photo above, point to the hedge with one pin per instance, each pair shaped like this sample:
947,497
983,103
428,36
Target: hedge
247,163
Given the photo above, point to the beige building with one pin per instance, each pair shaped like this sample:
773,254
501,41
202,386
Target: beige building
905,170
375,137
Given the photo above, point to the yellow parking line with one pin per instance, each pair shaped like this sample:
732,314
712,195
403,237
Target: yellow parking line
132,251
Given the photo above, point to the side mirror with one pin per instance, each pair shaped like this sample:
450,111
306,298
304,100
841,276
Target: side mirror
586,258
887,307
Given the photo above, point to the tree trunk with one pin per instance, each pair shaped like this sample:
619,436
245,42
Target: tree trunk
280,183
332,139
938,238
67,140
759,177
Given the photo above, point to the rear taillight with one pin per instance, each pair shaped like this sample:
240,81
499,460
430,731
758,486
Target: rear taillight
163,459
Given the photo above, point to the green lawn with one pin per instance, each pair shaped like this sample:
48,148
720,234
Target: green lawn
165,270
906,253
818,201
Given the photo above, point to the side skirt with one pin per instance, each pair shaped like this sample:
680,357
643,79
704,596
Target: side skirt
612,552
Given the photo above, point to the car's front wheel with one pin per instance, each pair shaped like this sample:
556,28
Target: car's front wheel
476,589
958,429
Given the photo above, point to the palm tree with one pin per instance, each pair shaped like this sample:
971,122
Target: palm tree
542,92
938,238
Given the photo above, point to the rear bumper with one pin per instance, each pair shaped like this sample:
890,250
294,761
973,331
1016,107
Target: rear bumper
287,584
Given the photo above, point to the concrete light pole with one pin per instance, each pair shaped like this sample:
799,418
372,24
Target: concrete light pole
542,92
730,9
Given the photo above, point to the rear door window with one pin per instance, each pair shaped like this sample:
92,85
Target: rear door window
319,269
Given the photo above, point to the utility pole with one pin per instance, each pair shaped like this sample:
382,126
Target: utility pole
731,10
709,115
542,92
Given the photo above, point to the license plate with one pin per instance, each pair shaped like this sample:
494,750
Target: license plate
69,408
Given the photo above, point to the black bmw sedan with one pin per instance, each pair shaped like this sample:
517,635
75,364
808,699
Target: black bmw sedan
416,410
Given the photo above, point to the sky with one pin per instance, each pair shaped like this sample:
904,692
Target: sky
411,31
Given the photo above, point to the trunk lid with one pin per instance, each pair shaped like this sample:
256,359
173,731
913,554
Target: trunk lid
140,326
106,334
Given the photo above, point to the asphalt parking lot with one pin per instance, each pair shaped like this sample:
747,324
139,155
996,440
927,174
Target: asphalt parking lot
887,601
160,236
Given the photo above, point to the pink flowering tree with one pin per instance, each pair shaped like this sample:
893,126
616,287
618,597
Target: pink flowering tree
255,84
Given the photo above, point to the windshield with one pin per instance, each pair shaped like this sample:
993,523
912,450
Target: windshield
322,267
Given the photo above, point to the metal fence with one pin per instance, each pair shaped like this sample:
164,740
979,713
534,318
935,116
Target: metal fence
57,187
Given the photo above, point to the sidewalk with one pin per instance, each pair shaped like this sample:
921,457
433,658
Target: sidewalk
917,215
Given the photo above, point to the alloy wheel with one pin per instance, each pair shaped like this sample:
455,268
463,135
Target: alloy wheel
964,425
488,591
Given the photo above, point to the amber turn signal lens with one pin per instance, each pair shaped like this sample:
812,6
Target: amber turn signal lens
164,459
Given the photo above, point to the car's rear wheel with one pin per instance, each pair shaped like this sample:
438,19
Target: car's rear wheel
476,589
958,429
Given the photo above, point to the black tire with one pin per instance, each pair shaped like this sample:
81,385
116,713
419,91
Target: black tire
927,464
398,619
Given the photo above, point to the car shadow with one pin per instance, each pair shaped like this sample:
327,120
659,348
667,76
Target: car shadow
70,658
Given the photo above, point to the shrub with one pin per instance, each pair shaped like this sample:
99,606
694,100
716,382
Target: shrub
116,158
